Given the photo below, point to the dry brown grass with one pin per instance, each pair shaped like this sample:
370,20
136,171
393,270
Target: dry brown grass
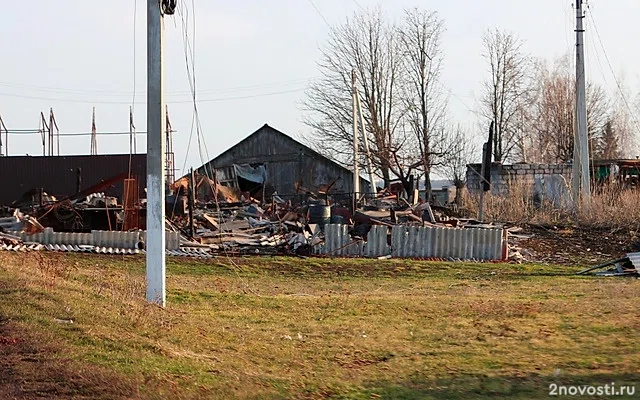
280,328
611,208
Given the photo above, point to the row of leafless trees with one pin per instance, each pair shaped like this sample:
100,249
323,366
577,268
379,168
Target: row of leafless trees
398,67
533,106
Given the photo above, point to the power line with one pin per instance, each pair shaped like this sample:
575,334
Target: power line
606,56
135,15
218,99
112,93
189,49
359,5
37,132
320,14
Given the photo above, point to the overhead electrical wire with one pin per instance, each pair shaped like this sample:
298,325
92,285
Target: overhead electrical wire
189,51
135,15
211,100
37,131
320,13
132,111
115,93
358,4
615,77
184,29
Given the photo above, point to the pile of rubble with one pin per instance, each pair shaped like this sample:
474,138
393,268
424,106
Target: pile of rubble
225,221
9,240
243,225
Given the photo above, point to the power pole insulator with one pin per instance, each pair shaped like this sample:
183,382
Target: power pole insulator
169,6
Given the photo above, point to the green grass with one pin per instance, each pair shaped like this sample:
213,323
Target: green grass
277,328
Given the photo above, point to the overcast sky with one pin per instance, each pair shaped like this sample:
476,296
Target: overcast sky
253,61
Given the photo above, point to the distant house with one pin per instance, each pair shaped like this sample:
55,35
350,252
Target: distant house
271,158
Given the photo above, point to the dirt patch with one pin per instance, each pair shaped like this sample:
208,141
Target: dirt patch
575,246
30,368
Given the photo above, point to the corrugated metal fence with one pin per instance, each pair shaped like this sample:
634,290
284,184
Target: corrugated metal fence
416,242
114,239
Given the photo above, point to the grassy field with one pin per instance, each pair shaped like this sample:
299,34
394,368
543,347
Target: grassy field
278,328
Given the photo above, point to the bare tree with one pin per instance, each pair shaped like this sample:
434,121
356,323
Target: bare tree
623,121
506,91
461,152
553,126
426,106
365,43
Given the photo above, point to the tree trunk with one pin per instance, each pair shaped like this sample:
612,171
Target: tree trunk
386,177
427,186
406,184
497,144
459,189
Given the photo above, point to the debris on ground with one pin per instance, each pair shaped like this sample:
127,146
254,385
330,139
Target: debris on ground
625,266
228,221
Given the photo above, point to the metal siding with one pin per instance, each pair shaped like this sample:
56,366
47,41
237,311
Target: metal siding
283,156
418,242
282,176
57,174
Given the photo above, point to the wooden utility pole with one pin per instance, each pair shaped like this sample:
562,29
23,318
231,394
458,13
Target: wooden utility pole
580,181
356,172
155,259
485,170
192,201
132,133
6,138
94,134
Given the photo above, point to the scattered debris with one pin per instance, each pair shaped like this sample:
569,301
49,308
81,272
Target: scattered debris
625,266
222,220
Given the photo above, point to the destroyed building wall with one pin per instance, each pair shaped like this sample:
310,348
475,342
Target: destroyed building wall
58,177
288,163
550,181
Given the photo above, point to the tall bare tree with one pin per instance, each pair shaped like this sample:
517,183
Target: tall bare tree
623,121
461,152
426,106
366,43
553,127
507,90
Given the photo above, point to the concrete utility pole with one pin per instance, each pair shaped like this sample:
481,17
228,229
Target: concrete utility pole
356,172
155,242
365,140
580,181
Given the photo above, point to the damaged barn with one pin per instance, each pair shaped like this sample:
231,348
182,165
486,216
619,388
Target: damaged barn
269,162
